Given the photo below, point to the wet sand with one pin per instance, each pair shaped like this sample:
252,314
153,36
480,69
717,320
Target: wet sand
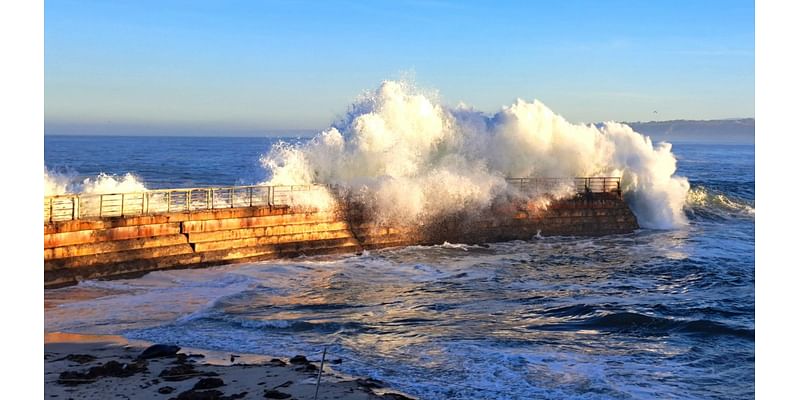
110,367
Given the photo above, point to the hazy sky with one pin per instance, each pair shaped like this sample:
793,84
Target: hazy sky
253,67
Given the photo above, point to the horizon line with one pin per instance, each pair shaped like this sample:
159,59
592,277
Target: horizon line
74,129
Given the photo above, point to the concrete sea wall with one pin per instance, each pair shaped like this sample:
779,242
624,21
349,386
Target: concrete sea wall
121,246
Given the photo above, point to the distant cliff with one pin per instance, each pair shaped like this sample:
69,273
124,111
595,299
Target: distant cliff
723,131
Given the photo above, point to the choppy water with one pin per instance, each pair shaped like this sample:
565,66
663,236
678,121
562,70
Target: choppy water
654,314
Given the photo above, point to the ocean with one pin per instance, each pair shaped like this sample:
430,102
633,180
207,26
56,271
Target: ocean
653,314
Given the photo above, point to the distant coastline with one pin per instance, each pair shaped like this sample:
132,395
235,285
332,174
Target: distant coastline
720,131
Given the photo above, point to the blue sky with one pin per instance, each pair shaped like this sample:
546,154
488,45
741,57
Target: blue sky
256,67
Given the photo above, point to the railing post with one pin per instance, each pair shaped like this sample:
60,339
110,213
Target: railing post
231,197
272,196
189,200
122,206
251,195
51,209
144,197
169,199
212,197
101,205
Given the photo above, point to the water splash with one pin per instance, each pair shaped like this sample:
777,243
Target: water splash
417,158
67,182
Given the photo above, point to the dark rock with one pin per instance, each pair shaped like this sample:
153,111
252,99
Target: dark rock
274,394
276,362
111,368
209,395
284,385
201,395
196,356
178,373
158,351
182,372
208,383
180,358
369,383
116,369
395,396
71,378
336,361
166,389
298,360
307,368
80,358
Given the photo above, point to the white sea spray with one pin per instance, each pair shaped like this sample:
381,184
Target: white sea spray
58,183
414,158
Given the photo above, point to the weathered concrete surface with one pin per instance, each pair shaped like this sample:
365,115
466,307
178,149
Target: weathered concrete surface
113,246
116,222
245,233
103,235
273,239
283,249
107,258
255,222
116,247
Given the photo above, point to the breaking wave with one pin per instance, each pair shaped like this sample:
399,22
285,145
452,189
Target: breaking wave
417,158
702,202
58,183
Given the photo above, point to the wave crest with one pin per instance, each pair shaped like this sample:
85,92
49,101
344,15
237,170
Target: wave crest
635,323
713,204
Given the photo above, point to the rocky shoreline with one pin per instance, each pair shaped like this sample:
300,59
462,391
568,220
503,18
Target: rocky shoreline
99,367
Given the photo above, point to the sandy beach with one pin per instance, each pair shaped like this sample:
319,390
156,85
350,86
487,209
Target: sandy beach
104,367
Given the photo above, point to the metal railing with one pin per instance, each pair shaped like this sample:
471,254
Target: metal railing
580,185
69,207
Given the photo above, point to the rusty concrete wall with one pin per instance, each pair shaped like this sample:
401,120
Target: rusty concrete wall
115,247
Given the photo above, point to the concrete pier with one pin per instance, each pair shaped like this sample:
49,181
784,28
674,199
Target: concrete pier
126,245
